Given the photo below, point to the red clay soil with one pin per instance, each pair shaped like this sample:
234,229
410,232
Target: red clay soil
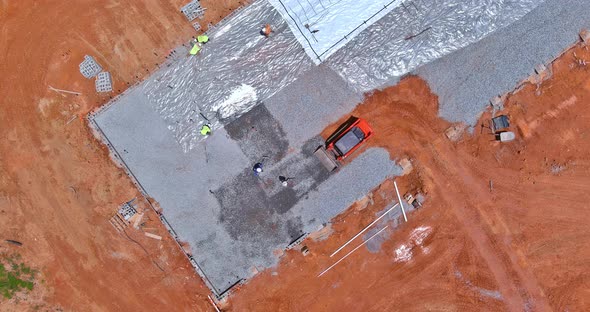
518,245
58,187
507,221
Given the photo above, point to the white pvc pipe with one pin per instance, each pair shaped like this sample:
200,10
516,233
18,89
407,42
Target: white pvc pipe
400,201
213,303
361,232
64,91
348,254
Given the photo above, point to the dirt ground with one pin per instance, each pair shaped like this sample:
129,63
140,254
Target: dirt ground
58,187
504,223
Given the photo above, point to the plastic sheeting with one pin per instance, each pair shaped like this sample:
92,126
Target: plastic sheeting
237,68
417,32
324,26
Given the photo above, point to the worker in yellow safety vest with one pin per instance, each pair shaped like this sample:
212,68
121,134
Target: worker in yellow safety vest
203,39
196,48
205,130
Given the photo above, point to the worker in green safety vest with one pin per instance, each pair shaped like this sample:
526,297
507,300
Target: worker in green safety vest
196,48
203,39
205,130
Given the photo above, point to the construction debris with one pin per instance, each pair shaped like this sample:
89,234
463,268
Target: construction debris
154,236
89,67
297,241
497,103
64,91
118,222
193,10
71,119
305,250
505,136
579,61
127,210
455,132
540,68
413,200
136,220
322,233
103,82
197,26
406,165
13,242
499,123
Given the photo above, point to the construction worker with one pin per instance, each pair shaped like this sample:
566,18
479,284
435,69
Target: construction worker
266,30
284,180
203,39
205,130
257,168
196,48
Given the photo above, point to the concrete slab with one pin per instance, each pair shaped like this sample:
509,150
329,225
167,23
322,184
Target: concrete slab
316,99
232,219
259,135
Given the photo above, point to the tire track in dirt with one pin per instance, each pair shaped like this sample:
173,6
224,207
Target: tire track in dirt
493,245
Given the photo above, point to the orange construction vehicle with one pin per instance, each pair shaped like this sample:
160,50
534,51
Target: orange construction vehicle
343,142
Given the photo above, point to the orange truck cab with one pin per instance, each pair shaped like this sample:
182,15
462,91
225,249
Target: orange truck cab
343,142
348,137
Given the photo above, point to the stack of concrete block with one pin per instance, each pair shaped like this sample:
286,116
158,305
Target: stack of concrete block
104,83
193,10
197,26
89,67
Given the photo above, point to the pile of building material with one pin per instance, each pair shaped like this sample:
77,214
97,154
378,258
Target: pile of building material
193,10
104,82
127,210
90,68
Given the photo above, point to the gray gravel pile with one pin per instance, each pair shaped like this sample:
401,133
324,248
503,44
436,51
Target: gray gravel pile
316,99
418,32
466,80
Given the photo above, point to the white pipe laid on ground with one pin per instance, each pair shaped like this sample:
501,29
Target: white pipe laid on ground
400,201
361,232
348,254
64,91
213,303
